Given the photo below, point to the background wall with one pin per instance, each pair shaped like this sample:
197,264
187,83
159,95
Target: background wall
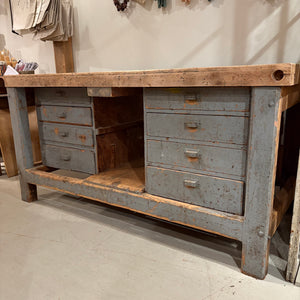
221,32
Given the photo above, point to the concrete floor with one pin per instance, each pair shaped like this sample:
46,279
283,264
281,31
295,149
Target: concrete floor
61,247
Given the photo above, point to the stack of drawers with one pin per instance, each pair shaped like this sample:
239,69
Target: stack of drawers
66,127
196,145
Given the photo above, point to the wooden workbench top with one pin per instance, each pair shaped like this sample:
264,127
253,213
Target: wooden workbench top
259,75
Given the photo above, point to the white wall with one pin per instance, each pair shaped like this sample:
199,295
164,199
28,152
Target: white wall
223,32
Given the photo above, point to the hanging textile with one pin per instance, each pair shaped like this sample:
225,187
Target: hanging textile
48,20
161,3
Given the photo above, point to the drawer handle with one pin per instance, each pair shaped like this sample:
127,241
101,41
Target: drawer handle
190,183
62,115
190,98
60,93
192,153
66,157
192,125
64,134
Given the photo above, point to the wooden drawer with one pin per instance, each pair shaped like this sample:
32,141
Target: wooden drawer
199,99
62,96
207,191
209,128
224,161
65,114
67,134
81,160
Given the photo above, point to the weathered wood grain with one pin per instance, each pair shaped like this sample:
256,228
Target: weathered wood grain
71,134
68,158
260,179
290,96
63,54
223,129
119,147
62,96
223,100
213,127
217,161
259,75
117,112
65,114
130,177
207,191
34,134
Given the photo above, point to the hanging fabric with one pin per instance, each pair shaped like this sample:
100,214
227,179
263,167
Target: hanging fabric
48,20
161,3
12,19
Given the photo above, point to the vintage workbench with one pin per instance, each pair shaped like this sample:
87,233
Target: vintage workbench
197,147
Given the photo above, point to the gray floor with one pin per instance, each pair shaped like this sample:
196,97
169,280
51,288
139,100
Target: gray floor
61,247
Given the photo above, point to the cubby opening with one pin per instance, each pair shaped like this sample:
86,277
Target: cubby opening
119,130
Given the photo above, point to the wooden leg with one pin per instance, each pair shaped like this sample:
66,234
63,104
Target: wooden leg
28,191
260,183
22,140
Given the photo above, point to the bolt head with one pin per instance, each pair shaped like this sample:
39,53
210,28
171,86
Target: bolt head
271,103
260,233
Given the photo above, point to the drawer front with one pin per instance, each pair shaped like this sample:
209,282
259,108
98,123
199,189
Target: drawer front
69,158
67,134
199,157
202,99
232,130
65,114
62,96
207,191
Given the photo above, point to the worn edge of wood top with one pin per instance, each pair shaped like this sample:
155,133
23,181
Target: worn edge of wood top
253,75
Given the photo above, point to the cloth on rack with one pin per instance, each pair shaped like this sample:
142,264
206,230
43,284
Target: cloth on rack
48,20
161,3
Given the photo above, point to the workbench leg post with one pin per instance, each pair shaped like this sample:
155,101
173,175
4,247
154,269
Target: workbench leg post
22,139
28,191
264,131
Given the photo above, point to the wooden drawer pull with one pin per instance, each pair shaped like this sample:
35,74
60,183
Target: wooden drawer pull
66,157
64,134
190,98
192,153
192,125
190,183
62,115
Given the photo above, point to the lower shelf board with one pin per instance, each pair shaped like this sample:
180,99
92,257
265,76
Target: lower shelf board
131,178
127,193
128,178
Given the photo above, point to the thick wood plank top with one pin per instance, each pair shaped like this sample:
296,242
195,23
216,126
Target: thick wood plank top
259,75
